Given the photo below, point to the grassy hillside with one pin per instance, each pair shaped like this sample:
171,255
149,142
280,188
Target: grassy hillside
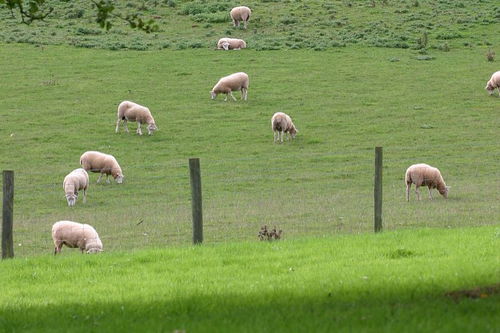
59,102
406,75
405,281
288,24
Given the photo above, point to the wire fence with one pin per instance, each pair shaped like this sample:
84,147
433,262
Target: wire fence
319,195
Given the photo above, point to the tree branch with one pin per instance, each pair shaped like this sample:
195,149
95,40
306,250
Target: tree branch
105,11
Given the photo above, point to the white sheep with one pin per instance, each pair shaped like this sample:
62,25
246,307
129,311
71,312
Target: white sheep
423,174
493,83
282,123
75,181
231,44
95,161
241,13
74,234
134,112
230,83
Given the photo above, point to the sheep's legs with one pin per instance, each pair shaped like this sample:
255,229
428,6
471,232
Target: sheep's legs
418,192
408,185
84,196
430,194
99,179
117,126
58,247
244,93
277,136
107,179
232,96
139,128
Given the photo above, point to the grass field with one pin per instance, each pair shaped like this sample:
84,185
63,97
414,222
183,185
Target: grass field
60,102
403,281
423,104
274,25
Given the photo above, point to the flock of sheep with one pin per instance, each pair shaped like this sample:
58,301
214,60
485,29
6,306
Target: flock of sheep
85,237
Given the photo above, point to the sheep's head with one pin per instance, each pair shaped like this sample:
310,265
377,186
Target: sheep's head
213,94
71,198
151,128
489,87
446,190
293,132
225,45
119,178
94,250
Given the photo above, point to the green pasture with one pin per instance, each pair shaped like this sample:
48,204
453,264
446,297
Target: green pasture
274,24
59,102
405,75
421,280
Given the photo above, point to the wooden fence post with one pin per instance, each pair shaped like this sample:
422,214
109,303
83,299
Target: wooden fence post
7,214
378,189
194,170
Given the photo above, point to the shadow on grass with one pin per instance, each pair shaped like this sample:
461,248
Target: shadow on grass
277,312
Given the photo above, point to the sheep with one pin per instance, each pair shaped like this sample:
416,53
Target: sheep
493,83
230,83
282,123
105,164
75,181
231,44
74,234
241,13
134,112
423,174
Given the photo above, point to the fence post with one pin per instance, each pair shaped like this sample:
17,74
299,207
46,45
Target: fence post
7,214
378,189
194,170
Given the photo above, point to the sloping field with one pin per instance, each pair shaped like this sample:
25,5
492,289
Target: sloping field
405,75
288,24
59,102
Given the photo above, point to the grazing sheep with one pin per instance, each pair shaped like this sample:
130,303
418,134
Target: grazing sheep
423,174
230,83
282,123
74,234
231,44
134,112
75,181
105,164
241,13
493,83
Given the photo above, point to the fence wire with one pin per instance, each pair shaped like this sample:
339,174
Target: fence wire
333,194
